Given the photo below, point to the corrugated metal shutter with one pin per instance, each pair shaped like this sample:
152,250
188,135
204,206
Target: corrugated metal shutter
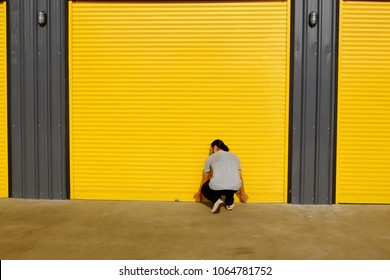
153,84
363,141
3,103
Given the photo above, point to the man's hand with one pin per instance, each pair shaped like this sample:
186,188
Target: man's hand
243,197
198,196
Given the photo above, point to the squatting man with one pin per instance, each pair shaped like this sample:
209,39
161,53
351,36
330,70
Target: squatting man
222,177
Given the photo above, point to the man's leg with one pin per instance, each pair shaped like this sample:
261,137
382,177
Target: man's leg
229,197
210,194
213,196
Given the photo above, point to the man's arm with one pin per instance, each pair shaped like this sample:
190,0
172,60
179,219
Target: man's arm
241,192
198,195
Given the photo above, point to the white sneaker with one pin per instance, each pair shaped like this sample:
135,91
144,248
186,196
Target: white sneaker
216,205
230,207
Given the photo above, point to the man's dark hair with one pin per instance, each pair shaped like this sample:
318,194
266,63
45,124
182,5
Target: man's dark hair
219,143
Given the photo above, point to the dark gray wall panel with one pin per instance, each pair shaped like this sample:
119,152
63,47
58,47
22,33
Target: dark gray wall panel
38,99
313,103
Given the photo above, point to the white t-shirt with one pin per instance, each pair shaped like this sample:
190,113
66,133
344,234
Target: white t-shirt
225,167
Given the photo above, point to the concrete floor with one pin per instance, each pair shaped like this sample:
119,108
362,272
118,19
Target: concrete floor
134,230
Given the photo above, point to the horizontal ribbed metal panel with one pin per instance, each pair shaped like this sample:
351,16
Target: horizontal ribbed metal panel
3,103
153,84
363,140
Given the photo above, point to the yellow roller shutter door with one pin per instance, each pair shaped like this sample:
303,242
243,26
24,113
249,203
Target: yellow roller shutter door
3,103
363,141
152,84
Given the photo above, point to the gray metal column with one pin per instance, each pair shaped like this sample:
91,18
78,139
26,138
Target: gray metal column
37,94
313,102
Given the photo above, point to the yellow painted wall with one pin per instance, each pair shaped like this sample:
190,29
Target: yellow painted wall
153,84
363,137
3,103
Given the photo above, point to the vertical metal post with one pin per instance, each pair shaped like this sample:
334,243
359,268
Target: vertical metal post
37,91
313,102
